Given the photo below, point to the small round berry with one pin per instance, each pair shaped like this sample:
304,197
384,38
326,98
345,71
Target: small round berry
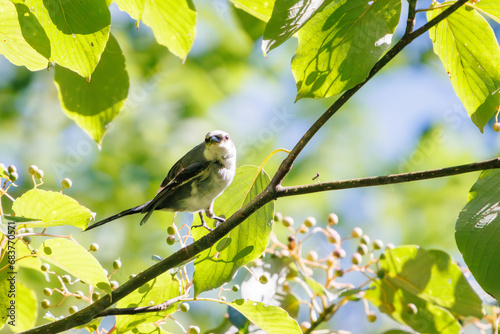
114,284
12,169
263,279
32,169
66,183
47,292
390,246
381,273
339,253
132,276
333,219
66,278
27,239
78,295
3,168
38,174
171,230
372,317
411,308
184,307
496,126
303,229
235,288
94,247
378,244
312,256
170,240
339,273
278,217
117,264
13,176
310,222
287,221
45,267
193,330
73,309
292,242
45,303
305,325
95,296
365,239
356,232
356,258
223,298
362,249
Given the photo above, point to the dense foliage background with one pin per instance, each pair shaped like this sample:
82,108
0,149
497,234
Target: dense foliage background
407,118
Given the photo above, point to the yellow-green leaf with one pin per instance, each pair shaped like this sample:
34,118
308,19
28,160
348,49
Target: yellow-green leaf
18,26
26,309
75,260
93,105
469,51
51,209
133,7
173,23
261,9
217,265
155,292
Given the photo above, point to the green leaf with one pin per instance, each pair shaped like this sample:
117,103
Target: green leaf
261,9
271,319
155,292
71,33
247,242
339,45
477,231
93,105
490,8
5,284
51,209
14,26
133,7
430,280
287,18
173,23
26,308
75,260
469,51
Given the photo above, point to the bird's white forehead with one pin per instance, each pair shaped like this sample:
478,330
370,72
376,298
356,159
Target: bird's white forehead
215,133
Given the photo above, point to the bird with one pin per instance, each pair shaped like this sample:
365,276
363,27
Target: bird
193,183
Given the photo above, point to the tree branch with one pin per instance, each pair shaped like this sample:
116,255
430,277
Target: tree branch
389,179
270,193
138,310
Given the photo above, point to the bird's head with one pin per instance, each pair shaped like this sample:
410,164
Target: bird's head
219,146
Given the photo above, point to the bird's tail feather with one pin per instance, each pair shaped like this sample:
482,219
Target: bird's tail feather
131,211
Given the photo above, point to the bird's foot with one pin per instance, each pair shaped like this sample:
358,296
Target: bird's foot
203,224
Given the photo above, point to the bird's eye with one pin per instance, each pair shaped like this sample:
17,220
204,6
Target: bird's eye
226,137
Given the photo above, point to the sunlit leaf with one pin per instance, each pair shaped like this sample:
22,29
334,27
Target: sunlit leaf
26,309
469,51
271,319
75,260
490,8
51,209
173,23
71,33
477,231
218,265
133,7
5,287
432,282
287,18
155,292
261,9
14,26
339,45
93,105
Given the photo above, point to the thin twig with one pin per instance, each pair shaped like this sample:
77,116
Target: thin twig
138,310
388,179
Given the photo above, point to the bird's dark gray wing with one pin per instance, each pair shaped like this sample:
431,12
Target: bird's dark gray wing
187,174
193,156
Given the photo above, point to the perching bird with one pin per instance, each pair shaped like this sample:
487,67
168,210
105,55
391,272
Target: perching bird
194,182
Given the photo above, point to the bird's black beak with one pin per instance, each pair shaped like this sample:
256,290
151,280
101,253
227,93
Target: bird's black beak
214,139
